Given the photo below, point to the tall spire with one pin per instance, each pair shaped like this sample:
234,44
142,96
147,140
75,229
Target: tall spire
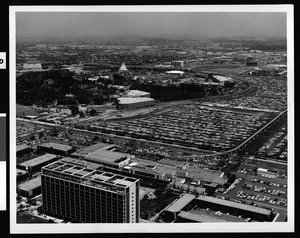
123,67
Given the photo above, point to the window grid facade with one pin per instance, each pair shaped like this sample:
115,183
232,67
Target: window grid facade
79,202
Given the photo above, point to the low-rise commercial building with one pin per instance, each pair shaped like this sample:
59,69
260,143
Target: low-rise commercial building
55,148
128,103
23,149
256,213
30,188
37,163
267,173
109,158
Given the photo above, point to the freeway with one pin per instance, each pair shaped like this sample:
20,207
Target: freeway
250,146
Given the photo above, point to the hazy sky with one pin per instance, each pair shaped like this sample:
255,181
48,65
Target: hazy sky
68,24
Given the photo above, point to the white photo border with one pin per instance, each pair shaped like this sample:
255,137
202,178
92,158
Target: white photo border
154,227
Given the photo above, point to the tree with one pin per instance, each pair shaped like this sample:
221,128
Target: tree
41,134
158,191
74,109
93,112
95,138
81,114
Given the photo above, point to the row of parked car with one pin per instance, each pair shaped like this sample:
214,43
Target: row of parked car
261,198
261,189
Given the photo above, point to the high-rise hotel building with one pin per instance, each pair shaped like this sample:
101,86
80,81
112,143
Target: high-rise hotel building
78,191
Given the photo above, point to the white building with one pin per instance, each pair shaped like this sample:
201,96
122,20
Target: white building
175,72
135,102
222,79
137,93
266,173
32,66
178,63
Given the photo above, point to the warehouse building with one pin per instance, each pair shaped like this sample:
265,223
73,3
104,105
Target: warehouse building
21,175
267,173
172,211
91,149
184,216
30,188
109,159
55,148
256,213
128,103
23,149
37,163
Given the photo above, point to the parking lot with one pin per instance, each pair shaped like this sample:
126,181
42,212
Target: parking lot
195,125
248,189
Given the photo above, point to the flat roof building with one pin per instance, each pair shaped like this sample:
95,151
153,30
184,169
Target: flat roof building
257,213
55,148
135,102
30,188
89,195
109,158
90,149
38,162
192,217
181,203
23,149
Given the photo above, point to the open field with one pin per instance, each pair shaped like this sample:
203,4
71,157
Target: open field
25,111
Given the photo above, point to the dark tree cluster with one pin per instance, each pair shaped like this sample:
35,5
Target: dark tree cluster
43,88
174,92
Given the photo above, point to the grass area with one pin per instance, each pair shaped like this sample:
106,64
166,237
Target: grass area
150,207
25,217
25,111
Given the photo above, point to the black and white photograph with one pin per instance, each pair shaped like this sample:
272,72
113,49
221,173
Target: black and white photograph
151,118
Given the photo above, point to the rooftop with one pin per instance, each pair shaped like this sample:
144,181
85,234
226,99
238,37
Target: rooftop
241,206
136,93
38,160
22,147
57,146
199,218
152,166
126,100
84,163
90,149
222,78
181,203
175,72
30,184
85,175
106,156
